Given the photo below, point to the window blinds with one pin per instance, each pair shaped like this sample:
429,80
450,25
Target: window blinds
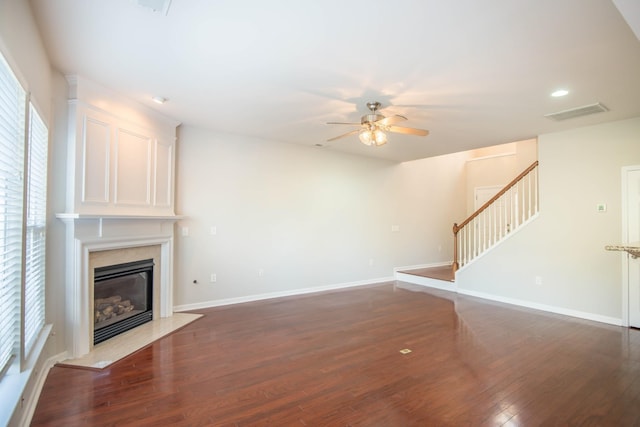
35,229
12,128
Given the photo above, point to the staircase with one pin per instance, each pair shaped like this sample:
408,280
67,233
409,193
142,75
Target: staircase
503,214
506,212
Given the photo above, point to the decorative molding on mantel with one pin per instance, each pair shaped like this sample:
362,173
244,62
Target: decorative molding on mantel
74,216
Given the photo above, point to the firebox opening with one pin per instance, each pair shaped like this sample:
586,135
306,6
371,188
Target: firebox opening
123,296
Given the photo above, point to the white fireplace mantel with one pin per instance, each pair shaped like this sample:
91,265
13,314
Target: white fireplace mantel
72,218
75,216
91,233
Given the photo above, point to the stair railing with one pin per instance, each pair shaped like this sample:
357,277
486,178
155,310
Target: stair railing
511,207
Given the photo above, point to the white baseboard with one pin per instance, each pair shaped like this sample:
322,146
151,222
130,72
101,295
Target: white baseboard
422,281
544,307
452,287
31,400
270,295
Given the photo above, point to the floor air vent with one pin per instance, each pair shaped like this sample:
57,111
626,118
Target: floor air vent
577,112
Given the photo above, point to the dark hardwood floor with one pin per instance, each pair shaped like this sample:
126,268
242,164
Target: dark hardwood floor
333,359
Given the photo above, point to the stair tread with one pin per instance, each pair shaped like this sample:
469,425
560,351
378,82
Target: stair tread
444,272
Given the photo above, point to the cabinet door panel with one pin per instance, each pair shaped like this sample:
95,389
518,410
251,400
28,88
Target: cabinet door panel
132,168
163,174
96,147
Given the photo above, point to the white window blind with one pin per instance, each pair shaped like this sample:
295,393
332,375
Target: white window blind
12,141
35,229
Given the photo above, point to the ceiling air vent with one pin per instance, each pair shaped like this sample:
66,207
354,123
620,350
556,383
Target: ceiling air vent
577,112
155,5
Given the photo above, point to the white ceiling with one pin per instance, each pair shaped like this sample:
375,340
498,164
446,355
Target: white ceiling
475,73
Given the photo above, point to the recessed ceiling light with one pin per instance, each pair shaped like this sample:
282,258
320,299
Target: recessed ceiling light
159,99
559,93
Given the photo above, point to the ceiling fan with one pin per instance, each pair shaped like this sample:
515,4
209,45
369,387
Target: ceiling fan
374,125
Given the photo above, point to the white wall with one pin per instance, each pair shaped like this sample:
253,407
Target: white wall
305,217
22,46
56,196
565,244
497,166
429,199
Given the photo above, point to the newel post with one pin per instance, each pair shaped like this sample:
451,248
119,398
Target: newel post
455,247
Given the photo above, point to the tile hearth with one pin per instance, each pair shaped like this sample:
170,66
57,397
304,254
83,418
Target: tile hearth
116,348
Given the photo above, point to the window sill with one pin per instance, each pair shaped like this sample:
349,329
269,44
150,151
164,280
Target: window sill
15,382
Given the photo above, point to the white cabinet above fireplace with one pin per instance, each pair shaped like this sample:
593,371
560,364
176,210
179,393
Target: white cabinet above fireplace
121,155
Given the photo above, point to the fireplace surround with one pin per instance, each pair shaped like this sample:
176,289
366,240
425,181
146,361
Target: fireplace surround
94,242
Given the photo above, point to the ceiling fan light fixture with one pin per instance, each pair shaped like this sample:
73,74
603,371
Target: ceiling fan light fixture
366,136
379,137
373,127
374,137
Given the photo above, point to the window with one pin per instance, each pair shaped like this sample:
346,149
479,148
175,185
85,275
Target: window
35,230
23,172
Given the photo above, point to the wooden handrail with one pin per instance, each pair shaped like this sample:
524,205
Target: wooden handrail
457,228
507,187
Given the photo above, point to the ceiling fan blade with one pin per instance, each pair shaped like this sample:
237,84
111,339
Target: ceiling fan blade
391,120
409,131
353,132
343,123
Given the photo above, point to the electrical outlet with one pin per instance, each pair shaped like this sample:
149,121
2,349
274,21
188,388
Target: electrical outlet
213,278
185,231
213,230
260,272
538,280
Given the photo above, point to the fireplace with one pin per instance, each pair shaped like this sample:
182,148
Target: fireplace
122,298
119,202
